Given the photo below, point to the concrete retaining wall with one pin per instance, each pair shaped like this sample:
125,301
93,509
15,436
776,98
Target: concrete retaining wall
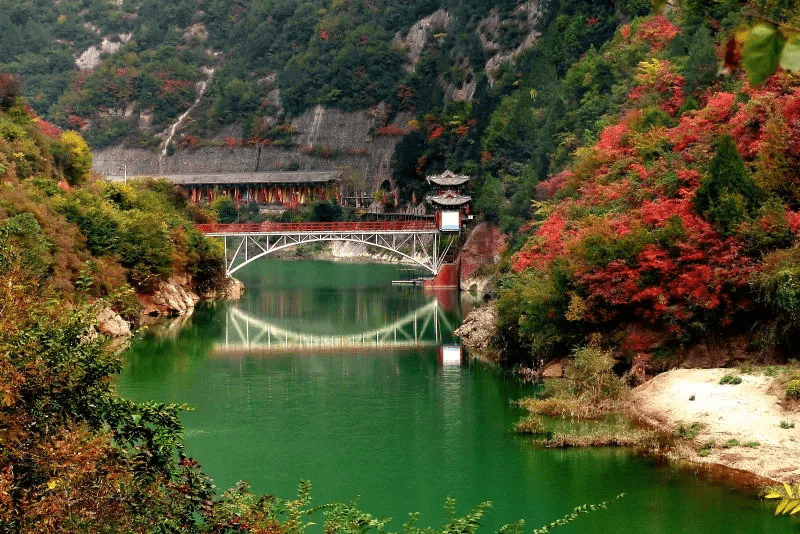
348,133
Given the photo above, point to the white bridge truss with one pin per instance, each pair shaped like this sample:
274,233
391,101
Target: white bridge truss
421,327
415,246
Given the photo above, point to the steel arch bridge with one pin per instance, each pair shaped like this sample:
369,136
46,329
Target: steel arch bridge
421,327
415,241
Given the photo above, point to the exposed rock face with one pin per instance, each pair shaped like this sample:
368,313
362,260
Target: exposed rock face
417,36
112,324
482,251
488,30
91,57
234,290
351,135
477,330
170,298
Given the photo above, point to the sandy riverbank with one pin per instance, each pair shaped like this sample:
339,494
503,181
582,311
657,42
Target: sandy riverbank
748,412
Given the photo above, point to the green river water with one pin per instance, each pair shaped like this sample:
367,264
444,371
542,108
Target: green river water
327,372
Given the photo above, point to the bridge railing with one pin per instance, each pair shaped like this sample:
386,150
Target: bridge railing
272,227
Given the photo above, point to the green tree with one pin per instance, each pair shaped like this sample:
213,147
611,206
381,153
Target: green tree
325,211
728,195
490,199
226,210
701,66
146,249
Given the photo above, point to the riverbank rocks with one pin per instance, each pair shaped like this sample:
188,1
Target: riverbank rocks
233,290
112,324
477,330
171,298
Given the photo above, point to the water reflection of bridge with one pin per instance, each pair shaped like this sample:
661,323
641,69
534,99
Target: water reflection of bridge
422,327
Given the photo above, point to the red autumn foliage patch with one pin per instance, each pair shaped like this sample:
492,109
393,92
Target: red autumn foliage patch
50,130
658,32
176,86
631,242
391,130
436,133
76,122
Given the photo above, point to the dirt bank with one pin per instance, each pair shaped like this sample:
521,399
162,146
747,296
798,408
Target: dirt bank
750,412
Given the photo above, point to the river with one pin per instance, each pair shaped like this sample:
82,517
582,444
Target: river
328,372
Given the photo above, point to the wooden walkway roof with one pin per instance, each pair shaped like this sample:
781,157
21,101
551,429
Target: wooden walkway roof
289,177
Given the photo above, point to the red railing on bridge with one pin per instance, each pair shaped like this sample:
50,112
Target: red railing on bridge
369,226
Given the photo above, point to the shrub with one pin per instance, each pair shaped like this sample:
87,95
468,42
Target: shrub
793,389
78,164
728,196
10,89
707,447
730,379
589,391
527,308
688,432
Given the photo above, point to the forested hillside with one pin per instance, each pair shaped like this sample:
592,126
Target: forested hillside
674,223
62,228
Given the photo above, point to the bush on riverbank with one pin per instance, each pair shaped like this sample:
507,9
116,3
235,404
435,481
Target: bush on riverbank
589,391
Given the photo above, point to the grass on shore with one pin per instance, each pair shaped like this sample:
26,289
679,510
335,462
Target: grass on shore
582,408
610,431
590,391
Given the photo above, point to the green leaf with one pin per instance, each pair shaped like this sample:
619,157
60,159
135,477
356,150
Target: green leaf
136,418
790,57
761,53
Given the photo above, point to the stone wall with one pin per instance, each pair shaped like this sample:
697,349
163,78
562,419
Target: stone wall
348,133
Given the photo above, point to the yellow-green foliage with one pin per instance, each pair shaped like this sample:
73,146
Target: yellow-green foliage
79,162
789,499
793,389
590,390
527,308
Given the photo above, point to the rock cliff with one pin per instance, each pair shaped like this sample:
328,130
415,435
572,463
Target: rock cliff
484,249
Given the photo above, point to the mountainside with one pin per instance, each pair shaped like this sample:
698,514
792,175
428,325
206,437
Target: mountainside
63,230
254,73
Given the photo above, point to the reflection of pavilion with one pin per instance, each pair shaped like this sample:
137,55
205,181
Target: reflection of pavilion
421,327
